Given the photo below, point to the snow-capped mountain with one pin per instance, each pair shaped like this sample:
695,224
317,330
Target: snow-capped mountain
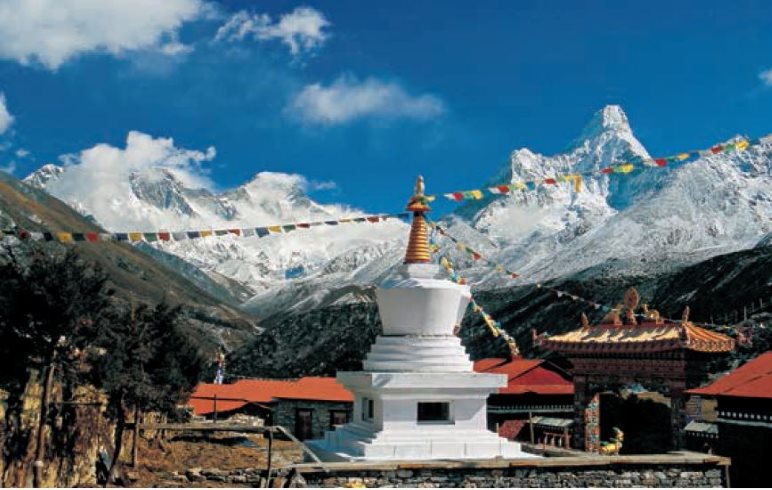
651,218
319,259
642,220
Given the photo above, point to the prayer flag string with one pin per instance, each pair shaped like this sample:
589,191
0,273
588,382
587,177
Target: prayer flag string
179,236
576,179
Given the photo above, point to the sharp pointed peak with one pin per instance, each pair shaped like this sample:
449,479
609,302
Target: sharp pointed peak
609,118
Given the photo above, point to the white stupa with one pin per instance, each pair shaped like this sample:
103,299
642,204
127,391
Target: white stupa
418,396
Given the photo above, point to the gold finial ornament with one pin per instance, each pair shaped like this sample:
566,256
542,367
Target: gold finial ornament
632,298
612,317
585,321
418,243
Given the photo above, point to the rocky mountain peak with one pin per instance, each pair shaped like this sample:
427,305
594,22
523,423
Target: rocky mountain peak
42,176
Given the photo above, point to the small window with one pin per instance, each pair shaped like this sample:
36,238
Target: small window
434,412
368,409
338,417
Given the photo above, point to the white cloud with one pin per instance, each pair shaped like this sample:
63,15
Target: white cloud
327,185
766,77
302,30
100,176
6,119
51,32
22,153
8,168
348,99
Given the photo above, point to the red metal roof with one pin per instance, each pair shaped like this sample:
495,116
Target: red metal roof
524,376
511,428
245,391
752,380
527,376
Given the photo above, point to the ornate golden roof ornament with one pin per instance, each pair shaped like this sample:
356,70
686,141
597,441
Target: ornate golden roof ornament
585,321
685,315
651,314
418,242
612,317
631,299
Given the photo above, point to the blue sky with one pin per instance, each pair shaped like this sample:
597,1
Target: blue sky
367,94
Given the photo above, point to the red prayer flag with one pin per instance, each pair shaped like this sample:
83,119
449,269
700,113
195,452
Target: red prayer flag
458,196
515,275
716,149
235,231
661,162
304,225
550,181
373,219
503,188
92,237
476,256
606,170
164,235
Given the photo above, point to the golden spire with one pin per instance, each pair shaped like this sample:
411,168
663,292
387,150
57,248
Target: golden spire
418,242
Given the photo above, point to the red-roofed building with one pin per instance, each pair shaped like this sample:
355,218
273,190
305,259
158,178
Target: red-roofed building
535,387
307,406
742,429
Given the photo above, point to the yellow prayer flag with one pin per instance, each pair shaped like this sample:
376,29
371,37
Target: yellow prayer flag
741,145
626,168
64,237
519,185
206,233
135,236
274,229
683,156
344,220
577,183
477,194
461,246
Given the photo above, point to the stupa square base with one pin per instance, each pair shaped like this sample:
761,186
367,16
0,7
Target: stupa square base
394,431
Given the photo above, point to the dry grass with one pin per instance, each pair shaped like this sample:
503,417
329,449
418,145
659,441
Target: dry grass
224,451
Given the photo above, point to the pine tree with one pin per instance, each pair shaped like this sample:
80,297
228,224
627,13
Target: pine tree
50,304
147,364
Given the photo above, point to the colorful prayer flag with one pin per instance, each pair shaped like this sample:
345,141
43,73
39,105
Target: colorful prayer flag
64,237
206,233
135,236
275,229
261,232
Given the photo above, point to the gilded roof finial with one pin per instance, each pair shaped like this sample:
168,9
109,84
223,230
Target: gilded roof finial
418,190
418,242
585,321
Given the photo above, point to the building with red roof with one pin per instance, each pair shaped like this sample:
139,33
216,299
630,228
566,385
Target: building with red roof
742,429
536,388
308,406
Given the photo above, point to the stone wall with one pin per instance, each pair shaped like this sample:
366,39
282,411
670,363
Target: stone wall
679,470
284,414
